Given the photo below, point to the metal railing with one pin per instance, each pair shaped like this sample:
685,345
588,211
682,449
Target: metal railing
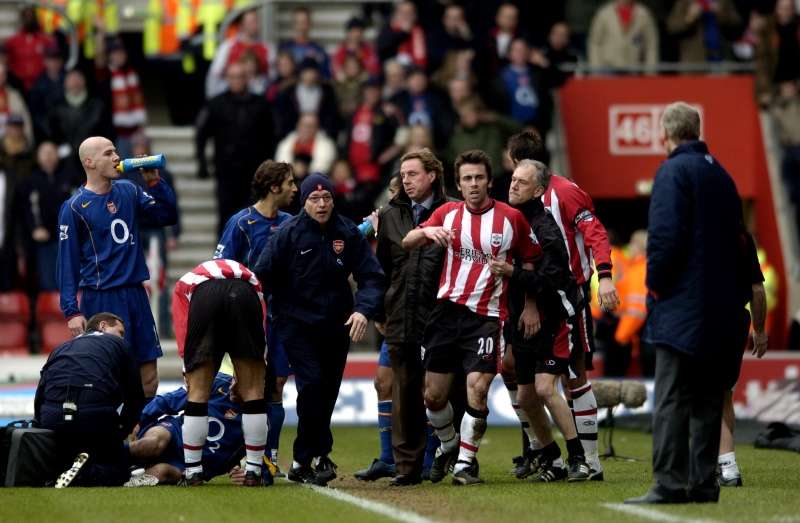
583,68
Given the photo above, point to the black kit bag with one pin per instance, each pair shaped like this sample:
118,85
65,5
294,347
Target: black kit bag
28,455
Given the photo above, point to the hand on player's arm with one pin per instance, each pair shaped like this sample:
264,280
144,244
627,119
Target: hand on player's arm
529,321
77,325
380,328
607,295
500,267
358,326
419,237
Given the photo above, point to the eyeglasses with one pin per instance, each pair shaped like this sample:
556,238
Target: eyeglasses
317,199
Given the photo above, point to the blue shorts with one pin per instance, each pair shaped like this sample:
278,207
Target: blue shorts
130,304
276,354
383,359
173,454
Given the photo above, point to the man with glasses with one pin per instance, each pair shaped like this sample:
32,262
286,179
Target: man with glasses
306,266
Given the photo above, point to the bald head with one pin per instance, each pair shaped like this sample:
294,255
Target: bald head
92,146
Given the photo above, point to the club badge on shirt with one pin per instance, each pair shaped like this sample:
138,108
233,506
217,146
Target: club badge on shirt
111,207
338,246
497,239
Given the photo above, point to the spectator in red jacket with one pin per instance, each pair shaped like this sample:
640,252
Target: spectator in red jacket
26,48
247,40
355,45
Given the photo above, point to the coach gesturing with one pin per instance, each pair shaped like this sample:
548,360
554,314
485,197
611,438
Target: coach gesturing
306,266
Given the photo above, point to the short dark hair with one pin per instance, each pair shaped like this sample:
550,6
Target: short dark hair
429,161
268,174
301,10
94,322
527,145
473,157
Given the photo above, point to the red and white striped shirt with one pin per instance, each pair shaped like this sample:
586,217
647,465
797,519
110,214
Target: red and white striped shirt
584,235
498,231
210,270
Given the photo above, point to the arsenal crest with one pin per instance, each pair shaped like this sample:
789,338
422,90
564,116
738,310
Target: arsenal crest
338,246
111,207
497,239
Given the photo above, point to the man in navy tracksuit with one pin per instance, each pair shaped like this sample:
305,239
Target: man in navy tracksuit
82,386
306,266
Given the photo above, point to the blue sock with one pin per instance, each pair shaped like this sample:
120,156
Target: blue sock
275,414
385,429
430,447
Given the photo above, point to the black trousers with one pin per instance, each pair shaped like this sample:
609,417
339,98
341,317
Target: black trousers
317,354
686,426
409,419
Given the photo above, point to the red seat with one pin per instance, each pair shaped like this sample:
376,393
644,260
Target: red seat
54,333
15,307
48,306
13,338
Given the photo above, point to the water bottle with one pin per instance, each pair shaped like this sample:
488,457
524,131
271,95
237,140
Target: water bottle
366,228
156,161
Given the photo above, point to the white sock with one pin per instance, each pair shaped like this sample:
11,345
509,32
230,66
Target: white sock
558,463
523,420
584,409
727,463
473,427
195,432
442,423
254,427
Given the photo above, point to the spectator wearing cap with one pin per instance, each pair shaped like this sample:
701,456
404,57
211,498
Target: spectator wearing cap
306,267
308,140
246,40
371,146
11,102
354,45
26,48
240,123
122,91
403,38
16,151
422,104
310,94
47,90
301,46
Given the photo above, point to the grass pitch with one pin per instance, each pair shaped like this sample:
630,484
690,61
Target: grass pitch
771,493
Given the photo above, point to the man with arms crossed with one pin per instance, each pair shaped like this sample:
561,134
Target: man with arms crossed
99,251
464,328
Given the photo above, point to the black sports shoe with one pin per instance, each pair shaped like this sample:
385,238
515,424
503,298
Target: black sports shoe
191,480
443,464
578,469
325,471
468,475
550,473
252,479
301,474
405,480
378,469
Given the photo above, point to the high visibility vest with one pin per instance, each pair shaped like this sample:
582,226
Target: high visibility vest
632,290
50,20
83,13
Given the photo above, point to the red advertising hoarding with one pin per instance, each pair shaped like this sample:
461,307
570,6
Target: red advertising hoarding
612,133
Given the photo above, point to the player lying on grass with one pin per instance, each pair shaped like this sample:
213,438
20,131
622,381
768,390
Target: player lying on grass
159,444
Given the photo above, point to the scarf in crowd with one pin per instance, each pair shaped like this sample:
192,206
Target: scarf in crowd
414,48
127,102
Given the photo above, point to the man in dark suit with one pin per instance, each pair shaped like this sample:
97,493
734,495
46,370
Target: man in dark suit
693,266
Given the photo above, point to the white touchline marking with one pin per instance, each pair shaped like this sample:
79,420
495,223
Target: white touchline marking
653,514
389,511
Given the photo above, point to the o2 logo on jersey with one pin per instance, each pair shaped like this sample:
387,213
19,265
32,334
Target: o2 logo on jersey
120,232
214,437
486,348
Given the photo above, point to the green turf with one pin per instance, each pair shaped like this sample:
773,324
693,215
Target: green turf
771,492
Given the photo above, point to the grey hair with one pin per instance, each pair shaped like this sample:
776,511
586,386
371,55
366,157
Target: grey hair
681,122
542,171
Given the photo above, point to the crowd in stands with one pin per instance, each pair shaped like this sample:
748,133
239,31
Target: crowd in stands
443,75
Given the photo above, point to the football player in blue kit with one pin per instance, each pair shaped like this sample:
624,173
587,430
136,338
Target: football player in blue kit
242,240
159,443
99,253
